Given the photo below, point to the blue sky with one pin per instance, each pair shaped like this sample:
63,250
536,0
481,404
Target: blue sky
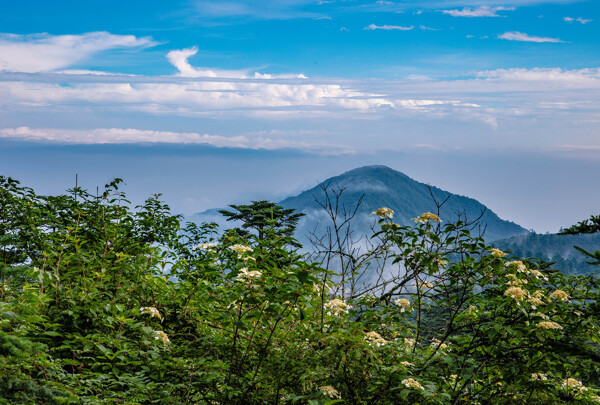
216,102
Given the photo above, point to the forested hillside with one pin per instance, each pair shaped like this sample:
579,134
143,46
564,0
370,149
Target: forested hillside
555,248
380,186
105,303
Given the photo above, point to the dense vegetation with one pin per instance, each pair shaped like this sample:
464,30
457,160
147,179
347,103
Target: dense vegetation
104,303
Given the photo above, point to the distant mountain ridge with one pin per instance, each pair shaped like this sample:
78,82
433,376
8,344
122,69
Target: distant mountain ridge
385,187
382,186
555,248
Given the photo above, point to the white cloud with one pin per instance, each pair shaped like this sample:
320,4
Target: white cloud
388,27
195,96
425,28
572,78
179,59
519,36
132,135
259,9
87,72
578,19
44,52
483,11
491,97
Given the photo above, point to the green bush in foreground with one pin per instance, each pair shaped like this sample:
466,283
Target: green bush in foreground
101,303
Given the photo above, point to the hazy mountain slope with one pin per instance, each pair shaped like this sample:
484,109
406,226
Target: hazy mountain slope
557,248
385,187
213,215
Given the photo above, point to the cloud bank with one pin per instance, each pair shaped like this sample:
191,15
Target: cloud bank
45,52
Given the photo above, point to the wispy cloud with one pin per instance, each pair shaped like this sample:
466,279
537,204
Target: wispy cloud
577,78
269,140
257,9
578,19
388,27
520,36
179,59
425,28
44,52
483,11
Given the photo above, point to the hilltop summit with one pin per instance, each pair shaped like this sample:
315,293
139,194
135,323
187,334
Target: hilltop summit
382,186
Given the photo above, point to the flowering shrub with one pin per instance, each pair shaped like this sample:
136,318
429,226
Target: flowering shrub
245,320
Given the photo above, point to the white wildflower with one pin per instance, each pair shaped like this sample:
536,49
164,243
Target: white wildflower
521,268
241,250
403,303
337,307
559,295
248,276
383,212
497,252
412,383
375,338
549,325
538,377
427,216
206,246
162,336
153,312
329,391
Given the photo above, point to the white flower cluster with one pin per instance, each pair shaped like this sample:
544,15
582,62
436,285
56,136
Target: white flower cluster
412,383
337,307
427,216
538,377
329,391
403,303
241,250
248,276
206,246
521,268
158,334
161,336
375,338
153,312
383,213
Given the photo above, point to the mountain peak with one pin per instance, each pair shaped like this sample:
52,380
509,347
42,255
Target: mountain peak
381,186
372,170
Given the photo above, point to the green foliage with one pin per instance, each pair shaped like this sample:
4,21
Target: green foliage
103,303
264,215
591,225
